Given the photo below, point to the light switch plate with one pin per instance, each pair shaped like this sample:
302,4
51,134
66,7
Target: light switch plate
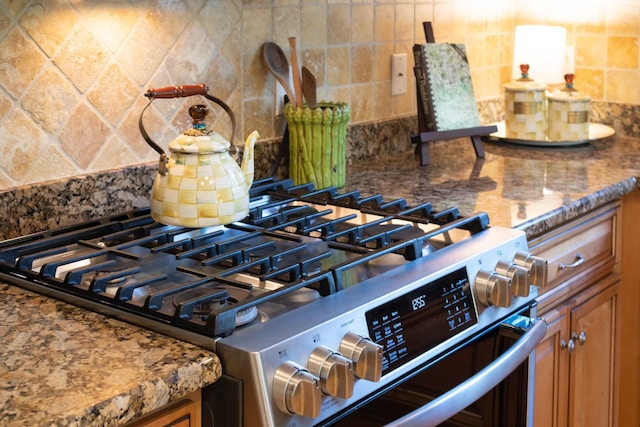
398,73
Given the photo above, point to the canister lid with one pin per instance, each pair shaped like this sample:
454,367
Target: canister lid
568,93
523,86
524,83
568,96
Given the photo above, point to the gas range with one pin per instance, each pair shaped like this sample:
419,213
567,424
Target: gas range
314,301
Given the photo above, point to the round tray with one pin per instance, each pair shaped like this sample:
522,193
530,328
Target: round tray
596,131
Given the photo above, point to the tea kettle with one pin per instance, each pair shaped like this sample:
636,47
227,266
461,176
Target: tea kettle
200,184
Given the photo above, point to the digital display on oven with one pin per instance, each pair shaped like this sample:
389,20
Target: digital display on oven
414,323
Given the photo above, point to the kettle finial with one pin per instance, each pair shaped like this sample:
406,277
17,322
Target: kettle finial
198,113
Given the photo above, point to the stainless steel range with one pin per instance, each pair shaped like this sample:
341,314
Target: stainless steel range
318,303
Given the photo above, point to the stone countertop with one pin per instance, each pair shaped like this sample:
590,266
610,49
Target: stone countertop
65,366
62,365
531,188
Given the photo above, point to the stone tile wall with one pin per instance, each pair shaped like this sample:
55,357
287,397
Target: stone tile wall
73,72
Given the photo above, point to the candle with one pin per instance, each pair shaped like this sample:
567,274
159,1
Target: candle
543,48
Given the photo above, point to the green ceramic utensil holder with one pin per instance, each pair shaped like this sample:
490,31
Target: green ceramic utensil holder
317,140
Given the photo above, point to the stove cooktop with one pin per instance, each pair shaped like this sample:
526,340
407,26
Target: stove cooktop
298,244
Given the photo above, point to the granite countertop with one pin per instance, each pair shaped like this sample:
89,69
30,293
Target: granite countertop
65,366
531,188
62,365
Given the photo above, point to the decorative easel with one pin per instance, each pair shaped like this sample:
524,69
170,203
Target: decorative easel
424,137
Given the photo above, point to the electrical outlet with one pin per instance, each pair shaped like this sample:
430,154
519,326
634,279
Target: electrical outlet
279,99
398,73
280,93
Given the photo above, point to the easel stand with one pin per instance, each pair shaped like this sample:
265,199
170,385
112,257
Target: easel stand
424,137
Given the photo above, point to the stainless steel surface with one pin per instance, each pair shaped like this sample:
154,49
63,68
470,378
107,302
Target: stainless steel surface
520,277
537,267
338,322
365,354
296,391
577,263
334,371
458,398
493,289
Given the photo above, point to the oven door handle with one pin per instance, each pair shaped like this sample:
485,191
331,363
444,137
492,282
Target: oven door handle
464,394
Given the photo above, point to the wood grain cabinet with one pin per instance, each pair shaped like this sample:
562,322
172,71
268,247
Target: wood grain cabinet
182,413
577,363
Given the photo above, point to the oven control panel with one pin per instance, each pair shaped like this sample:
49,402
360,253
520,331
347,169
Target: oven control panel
415,322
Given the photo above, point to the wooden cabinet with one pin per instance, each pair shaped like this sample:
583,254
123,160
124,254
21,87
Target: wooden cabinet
577,363
592,364
629,401
185,412
551,372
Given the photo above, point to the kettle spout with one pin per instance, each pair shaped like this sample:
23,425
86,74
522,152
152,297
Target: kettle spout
248,156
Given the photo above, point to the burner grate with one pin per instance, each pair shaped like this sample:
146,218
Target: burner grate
205,279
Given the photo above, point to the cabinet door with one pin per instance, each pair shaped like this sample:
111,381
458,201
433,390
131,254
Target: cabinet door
183,413
550,380
592,364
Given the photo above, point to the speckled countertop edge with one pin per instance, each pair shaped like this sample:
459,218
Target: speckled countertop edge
61,365
575,209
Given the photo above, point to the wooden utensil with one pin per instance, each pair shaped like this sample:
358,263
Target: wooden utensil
276,61
297,80
309,87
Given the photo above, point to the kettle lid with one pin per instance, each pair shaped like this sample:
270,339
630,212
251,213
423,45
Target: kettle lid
197,139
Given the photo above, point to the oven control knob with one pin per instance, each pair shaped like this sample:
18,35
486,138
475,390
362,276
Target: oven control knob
296,391
493,289
334,370
365,354
520,277
537,267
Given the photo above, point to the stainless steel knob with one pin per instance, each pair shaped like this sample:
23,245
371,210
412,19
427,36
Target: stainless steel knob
296,391
334,370
365,354
582,338
538,267
520,277
570,346
493,289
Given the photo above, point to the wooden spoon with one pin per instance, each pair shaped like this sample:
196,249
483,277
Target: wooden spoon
309,87
276,61
297,80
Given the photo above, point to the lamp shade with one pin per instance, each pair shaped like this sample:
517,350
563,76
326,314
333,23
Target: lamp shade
543,47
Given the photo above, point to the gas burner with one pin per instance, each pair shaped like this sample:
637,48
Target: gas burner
302,296
209,300
106,277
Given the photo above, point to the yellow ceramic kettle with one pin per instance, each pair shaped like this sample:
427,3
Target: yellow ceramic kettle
200,184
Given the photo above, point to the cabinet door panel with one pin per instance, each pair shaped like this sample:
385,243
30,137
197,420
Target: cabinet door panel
592,363
550,372
183,413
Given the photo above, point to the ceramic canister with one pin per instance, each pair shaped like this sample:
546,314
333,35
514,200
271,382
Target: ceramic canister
568,116
525,110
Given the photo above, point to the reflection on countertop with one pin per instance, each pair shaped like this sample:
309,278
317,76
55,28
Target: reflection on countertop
531,188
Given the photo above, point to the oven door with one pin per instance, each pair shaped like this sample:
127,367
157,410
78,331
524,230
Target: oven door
487,382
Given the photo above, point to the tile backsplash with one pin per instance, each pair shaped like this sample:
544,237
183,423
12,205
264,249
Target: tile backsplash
73,73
